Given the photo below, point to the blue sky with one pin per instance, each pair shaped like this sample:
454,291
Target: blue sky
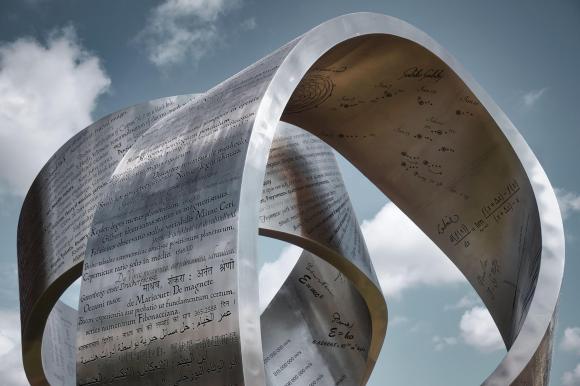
65,63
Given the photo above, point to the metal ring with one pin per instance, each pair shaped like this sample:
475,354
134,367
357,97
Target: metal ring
157,206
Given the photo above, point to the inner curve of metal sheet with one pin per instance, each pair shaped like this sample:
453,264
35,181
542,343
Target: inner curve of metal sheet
405,120
326,317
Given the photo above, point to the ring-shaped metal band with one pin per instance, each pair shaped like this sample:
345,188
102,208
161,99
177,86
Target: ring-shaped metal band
338,75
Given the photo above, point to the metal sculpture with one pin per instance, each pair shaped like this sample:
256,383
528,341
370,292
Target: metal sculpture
157,208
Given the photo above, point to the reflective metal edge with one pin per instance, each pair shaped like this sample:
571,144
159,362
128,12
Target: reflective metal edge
322,38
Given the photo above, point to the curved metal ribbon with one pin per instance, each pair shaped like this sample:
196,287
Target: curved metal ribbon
156,206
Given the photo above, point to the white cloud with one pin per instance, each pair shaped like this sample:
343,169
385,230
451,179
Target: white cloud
249,24
272,275
6,344
571,339
47,93
443,342
466,301
478,330
10,351
403,256
530,98
182,29
569,202
572,378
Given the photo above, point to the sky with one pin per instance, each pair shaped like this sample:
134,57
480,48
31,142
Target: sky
65,63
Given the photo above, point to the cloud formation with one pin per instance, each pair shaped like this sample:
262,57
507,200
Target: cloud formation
530,98
476,327
572,378
569,202
466,301
47,94
479,330
272,275
443,342
403,256
10,355
183,29
571,340
249,24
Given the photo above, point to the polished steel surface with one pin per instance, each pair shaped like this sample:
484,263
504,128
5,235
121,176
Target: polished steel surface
338,311
158,207
55,220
